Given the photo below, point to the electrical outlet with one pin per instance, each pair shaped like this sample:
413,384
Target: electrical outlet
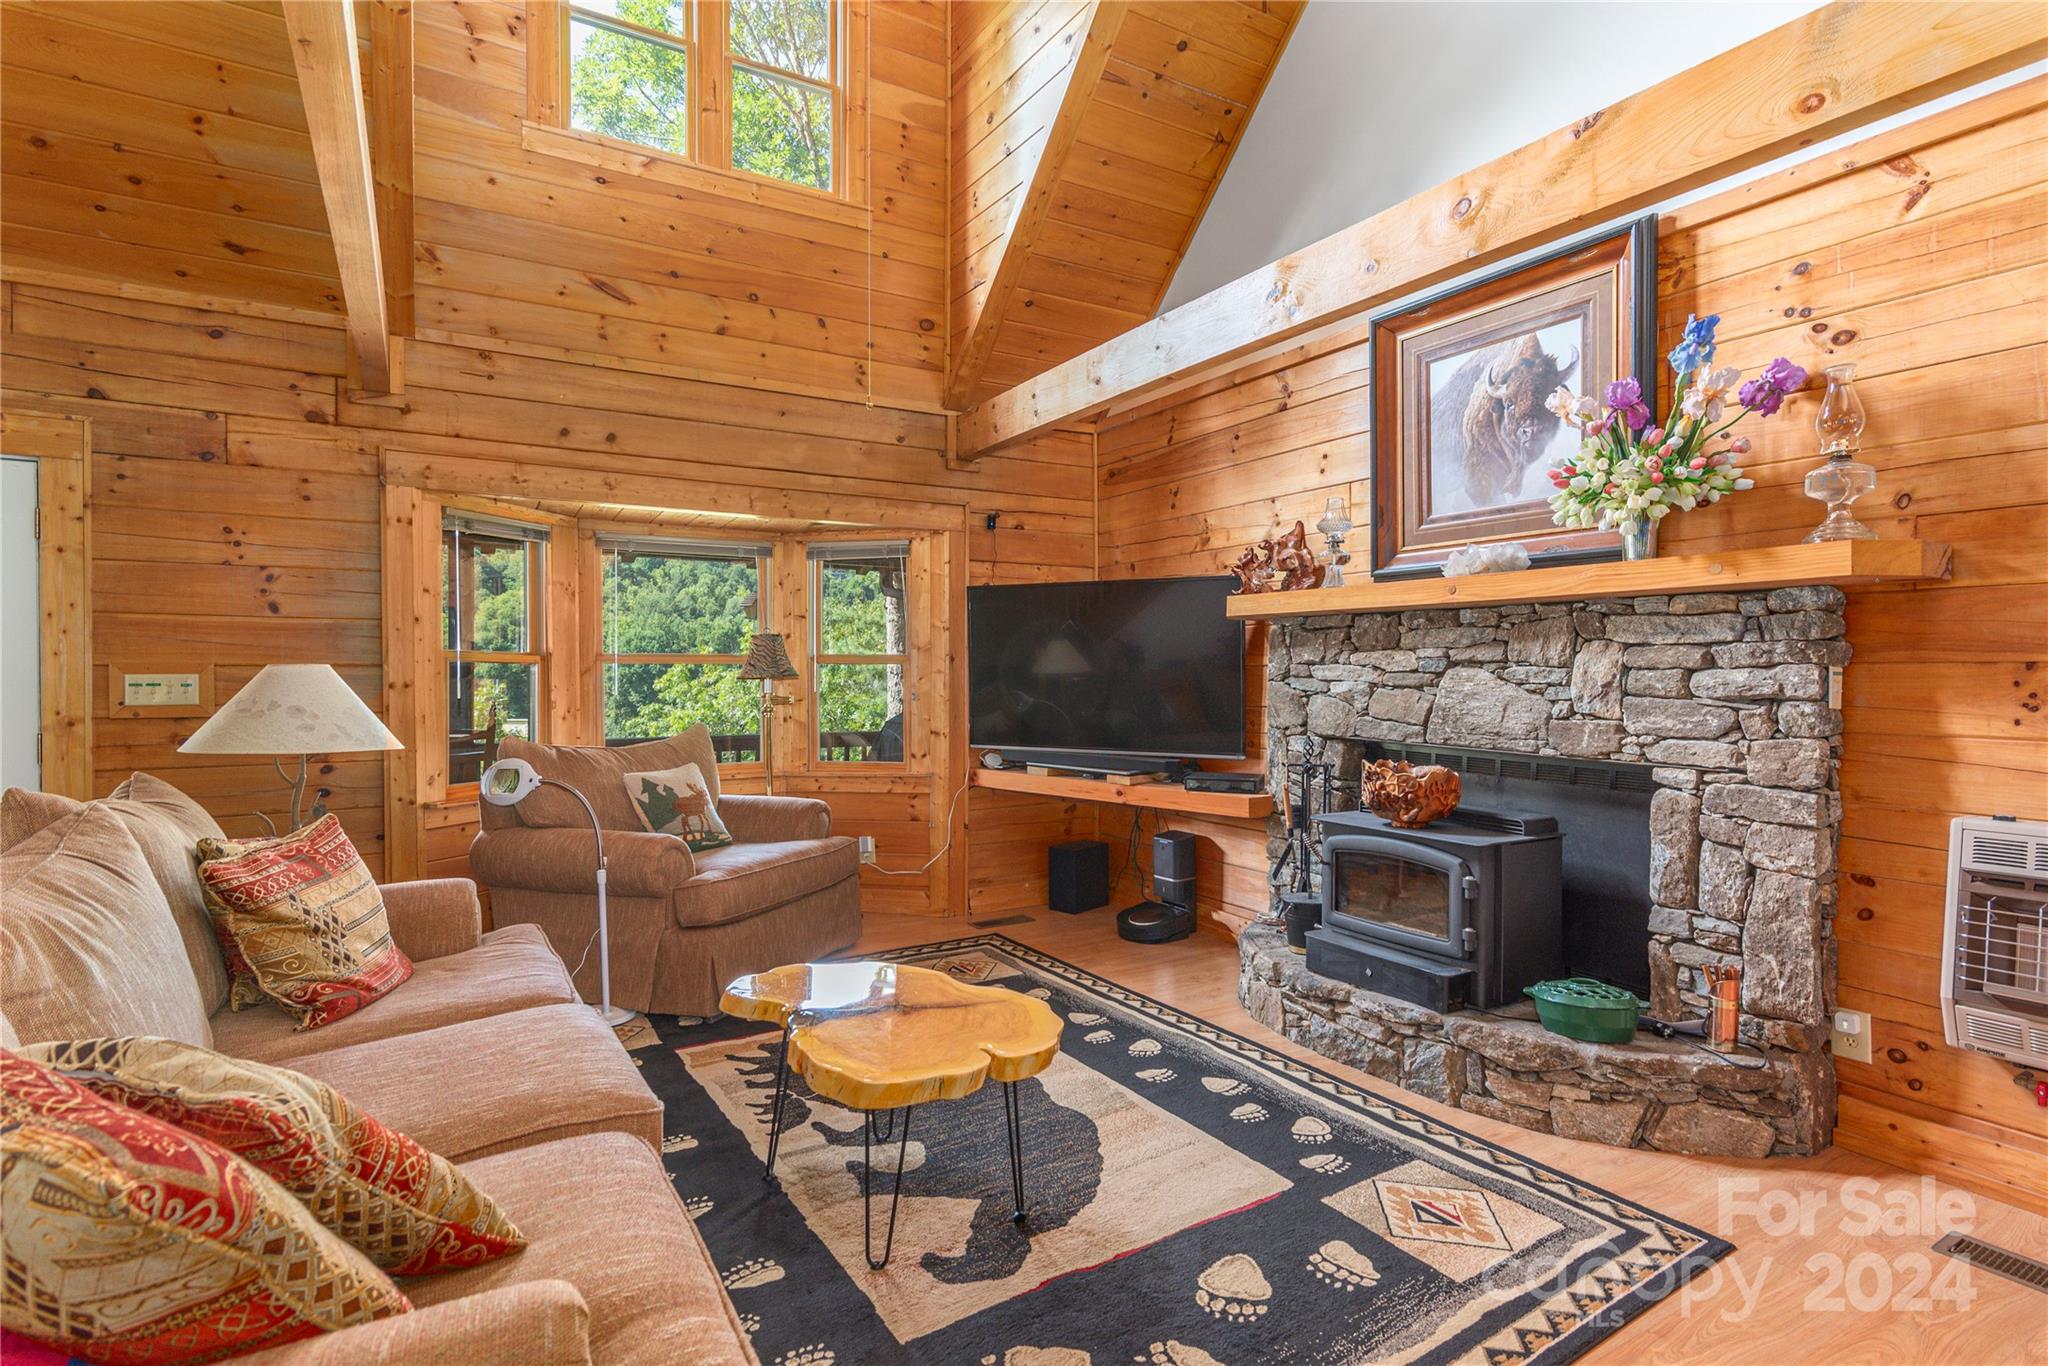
1851,1039
867,855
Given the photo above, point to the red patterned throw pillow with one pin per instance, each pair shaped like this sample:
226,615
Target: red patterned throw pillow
307,918
406,1209
132,1241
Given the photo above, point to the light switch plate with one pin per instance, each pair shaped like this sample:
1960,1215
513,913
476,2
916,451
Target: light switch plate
178,687
1851,1038
159,690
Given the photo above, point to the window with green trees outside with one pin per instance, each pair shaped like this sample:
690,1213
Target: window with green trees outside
861,650
649,72
676,627
491,595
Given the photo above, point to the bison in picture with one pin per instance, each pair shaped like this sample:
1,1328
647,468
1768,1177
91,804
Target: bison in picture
1493,402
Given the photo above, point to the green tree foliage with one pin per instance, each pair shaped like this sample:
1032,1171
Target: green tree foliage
491,616
630,88
660,604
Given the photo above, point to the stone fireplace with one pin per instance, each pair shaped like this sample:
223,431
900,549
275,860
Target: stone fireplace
1728,703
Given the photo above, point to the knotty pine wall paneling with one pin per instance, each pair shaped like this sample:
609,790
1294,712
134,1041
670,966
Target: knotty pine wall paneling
237,510
528,245
161,150
1922,256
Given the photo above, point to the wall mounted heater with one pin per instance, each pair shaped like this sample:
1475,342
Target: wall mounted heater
1994,995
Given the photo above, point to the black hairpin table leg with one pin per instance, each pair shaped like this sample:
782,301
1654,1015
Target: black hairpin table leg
869,1130
1013,1111
781,1099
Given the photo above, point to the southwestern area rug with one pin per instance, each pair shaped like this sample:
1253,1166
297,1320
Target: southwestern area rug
1195,1200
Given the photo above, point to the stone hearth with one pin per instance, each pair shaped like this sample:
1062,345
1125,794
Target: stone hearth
1728,700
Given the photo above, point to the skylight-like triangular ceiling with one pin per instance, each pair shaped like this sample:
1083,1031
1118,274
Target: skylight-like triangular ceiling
1087,141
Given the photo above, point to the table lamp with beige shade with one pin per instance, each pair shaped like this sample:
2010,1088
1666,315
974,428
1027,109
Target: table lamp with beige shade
768,660
302,709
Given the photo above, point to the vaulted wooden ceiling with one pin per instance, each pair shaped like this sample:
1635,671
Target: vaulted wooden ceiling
160,149
1088,136
162,145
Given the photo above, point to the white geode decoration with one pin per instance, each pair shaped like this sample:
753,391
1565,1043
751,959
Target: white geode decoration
1491,558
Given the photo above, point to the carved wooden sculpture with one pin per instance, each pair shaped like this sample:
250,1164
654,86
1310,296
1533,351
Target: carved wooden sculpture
1279,565
1407,796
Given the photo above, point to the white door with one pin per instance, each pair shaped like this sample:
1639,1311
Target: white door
21,620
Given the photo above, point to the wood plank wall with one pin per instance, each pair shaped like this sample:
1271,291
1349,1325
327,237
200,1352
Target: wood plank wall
572,322
1922,256
236,509
528,248
164,146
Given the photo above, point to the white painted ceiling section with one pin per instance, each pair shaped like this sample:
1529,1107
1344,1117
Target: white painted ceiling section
1375,101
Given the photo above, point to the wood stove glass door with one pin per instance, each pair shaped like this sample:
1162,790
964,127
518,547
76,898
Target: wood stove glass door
1396,892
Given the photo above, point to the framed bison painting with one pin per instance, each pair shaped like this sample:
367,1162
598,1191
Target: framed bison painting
1461,440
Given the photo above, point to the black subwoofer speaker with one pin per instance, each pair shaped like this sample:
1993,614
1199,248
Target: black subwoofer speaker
1077,876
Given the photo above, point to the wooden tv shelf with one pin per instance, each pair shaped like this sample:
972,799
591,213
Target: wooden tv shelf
1160,796
1842,564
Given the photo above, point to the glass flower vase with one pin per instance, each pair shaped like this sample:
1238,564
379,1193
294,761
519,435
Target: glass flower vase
1638,540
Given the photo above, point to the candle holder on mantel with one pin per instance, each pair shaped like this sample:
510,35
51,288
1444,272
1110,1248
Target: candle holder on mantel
1843,478
1335,525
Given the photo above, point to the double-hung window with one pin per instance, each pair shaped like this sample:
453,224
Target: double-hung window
746,85
861,649
678,616
493,591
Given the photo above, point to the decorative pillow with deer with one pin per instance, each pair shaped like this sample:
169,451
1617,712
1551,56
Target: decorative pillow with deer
677,801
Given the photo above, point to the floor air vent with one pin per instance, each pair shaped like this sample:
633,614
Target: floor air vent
1996,1260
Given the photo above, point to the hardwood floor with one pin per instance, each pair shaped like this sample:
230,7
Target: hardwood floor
1832,1257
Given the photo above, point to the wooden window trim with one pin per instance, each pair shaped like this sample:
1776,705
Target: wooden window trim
708,167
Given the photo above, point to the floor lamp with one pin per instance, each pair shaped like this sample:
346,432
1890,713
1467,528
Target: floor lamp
509,782
768,660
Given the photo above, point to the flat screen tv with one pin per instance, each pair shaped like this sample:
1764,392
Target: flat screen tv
1111,666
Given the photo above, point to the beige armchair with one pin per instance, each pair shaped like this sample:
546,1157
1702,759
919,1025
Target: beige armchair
786,890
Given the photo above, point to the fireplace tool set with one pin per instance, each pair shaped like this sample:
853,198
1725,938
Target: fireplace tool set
1308,788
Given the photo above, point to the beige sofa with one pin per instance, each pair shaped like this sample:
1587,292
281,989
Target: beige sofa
787,890
485,1055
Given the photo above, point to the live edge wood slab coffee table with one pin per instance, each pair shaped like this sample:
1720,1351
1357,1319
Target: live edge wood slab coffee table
885,1037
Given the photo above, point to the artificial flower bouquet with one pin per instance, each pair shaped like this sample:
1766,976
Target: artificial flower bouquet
1630,474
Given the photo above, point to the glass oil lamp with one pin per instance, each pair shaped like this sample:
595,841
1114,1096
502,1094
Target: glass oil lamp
1842,479
1335,525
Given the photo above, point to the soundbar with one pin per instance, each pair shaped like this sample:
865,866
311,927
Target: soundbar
1247,783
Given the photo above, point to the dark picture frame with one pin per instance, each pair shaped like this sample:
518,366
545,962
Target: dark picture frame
1459,437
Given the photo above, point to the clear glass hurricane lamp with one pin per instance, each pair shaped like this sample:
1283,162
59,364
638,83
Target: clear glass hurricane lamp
1842,478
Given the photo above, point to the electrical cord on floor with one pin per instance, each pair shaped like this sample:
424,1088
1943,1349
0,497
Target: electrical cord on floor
1763,1062
925,867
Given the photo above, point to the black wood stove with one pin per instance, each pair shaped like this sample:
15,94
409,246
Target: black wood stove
1466,912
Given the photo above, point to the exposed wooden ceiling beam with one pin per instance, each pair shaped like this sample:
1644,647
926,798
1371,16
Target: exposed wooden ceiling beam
323,42
1083,74
1823,74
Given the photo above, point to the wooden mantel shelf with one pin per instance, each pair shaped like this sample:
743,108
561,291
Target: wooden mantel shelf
1839,563
1162,796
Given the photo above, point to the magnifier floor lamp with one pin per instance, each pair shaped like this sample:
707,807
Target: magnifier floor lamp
509,782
